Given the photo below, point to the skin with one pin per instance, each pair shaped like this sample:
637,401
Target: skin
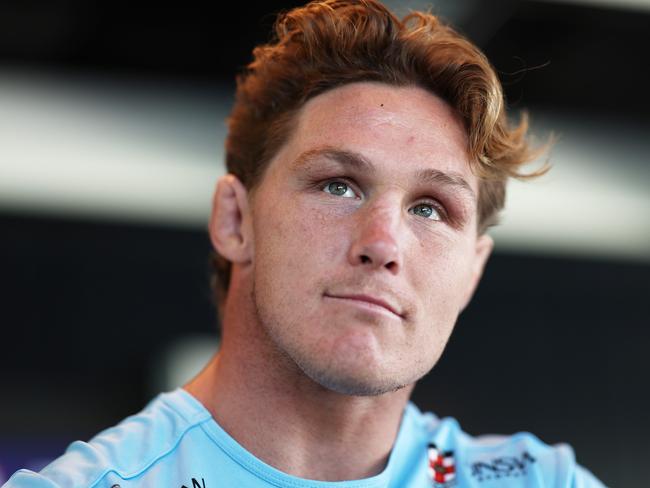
304,353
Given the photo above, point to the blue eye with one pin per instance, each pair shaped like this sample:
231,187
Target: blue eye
427,211
340,189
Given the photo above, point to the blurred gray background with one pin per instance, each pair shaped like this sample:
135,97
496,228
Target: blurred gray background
111,135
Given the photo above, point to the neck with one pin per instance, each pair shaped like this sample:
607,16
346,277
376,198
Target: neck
308,431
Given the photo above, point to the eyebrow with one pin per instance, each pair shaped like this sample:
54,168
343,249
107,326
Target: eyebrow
453,180
346,158
362,164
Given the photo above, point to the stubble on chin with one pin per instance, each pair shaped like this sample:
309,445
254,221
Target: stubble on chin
326,371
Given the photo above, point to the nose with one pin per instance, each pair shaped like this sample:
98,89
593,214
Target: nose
375,242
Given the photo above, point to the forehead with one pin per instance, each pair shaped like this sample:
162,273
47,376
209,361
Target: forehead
399,129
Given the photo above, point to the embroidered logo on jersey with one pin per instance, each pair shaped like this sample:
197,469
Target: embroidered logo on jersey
196,484
502,467
442,468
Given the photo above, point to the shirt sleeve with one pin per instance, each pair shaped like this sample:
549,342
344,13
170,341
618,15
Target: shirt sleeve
25,478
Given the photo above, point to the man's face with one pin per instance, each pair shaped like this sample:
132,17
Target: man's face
371,200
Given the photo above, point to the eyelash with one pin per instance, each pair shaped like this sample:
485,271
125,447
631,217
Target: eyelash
327,183
436,205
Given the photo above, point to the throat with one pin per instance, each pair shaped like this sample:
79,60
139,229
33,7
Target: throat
309,432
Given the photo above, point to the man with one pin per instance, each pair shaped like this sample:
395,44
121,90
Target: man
367,156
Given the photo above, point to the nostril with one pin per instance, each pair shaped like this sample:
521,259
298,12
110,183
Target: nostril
392,265
365,259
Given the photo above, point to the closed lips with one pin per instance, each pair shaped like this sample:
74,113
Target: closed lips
369,299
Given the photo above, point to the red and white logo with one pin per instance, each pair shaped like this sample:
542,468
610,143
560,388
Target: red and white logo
441,467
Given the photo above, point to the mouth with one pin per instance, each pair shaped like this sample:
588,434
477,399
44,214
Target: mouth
369,301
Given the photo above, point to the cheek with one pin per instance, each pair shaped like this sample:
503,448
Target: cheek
439,284
441,275
294,240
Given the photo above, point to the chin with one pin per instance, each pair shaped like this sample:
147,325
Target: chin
354,386
351,381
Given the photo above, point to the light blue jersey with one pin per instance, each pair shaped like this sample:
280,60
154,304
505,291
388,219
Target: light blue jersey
174,443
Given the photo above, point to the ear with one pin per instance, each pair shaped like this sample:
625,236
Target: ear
230,226
483,249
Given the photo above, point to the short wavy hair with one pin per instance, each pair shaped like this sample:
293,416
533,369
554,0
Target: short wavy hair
327,44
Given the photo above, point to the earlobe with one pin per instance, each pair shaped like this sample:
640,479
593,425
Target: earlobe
229,228
483,249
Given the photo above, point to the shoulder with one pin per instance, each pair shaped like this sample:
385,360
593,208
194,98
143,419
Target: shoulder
521,459
121,452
